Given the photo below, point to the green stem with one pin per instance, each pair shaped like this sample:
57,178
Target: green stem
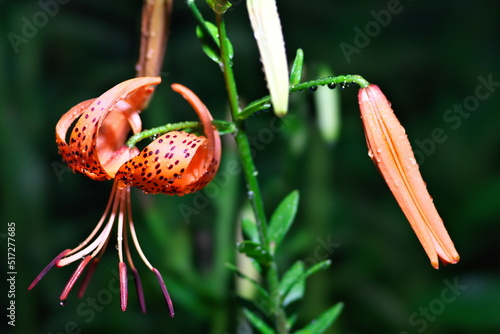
160,130
223,127
343,81
197,15
241,137
254,194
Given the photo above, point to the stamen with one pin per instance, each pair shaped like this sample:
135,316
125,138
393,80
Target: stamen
101,240
140,293
73,279
48,267
123,285
165,292
136,241
101,221
94,247
137,278
119,239
88,275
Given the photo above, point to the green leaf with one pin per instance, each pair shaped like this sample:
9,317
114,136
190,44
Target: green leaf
324,321
293,276
209,43
262,292
292,320
255,251
255,106
224,127
296,71
219,6
258,323
292,287
282,219
208,35
249,228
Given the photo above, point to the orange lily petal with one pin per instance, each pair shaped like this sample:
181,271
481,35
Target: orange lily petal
177,162
391,151
95,139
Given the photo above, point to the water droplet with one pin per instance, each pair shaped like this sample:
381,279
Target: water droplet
255,173
62,302
413,161
250,194
332,85
396,183
313,88
370,154
379,149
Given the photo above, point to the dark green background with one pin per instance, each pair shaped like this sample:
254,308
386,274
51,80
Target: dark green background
426,60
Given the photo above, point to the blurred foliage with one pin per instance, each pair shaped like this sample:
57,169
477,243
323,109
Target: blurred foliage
427,59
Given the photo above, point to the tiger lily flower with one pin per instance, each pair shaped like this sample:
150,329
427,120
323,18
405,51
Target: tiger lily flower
177,162
389,148
97,149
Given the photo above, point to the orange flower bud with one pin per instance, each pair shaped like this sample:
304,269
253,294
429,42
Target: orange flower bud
389,148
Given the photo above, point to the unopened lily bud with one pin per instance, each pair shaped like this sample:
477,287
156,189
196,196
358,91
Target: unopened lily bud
389,148
266,27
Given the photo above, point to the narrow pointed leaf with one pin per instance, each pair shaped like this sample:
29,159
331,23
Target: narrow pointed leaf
282,219
255,106
250,229
324,321
262,292
296,71
210,44
292,285
294,277
292,320
258,323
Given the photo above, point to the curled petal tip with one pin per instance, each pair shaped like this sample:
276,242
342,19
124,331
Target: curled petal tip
177,162
102,126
